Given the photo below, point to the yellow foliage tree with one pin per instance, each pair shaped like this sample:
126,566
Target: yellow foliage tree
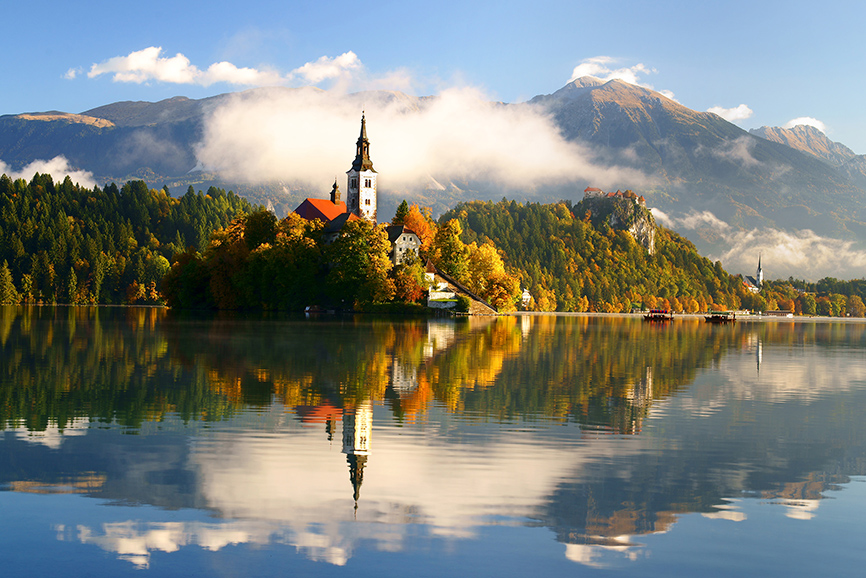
421,223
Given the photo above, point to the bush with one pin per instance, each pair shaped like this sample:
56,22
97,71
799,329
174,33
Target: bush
463,303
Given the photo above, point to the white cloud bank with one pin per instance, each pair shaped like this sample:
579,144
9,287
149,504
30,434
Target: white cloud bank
58,168
343,72
308,136
802,254
808,121
735,114
149,65
601,67
326,68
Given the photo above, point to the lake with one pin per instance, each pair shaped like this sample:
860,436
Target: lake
140,442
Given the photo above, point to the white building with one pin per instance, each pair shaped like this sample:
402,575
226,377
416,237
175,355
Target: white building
403,243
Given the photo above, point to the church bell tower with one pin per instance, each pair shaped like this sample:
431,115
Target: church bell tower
759,275
361,197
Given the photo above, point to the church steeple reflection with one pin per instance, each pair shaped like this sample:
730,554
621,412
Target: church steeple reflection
357,428
759,354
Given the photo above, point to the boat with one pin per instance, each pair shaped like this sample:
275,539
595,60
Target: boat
659,315
721,317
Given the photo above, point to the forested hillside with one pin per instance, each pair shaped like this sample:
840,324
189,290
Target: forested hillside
570,264
572,260
63,243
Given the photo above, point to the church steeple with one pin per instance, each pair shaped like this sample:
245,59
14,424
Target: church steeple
362,150
759,275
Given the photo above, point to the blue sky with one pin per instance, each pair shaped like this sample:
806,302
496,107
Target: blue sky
782,60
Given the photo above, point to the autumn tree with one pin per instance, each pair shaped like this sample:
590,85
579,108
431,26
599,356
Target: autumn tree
260,227
855,307
448,252
486,276
409,282
422,224
360,265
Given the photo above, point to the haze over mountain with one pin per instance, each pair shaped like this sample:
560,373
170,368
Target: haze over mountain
791,193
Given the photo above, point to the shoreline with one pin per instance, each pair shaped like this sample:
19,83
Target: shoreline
677,316
699,317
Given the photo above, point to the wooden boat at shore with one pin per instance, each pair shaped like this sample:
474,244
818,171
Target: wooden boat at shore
659,315
721,317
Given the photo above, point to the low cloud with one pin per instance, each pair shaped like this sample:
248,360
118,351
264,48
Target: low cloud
735,114
802,254
603,68
308,136
808,121
738,151
693,220
58,168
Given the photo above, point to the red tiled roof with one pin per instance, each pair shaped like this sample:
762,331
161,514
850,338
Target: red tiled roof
318,413
592,190
322,209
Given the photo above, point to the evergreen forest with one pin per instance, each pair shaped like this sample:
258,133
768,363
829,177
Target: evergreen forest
64,243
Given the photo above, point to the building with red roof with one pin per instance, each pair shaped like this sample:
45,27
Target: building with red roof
362,199
326,210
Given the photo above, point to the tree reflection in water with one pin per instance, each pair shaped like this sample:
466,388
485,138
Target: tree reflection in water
465,413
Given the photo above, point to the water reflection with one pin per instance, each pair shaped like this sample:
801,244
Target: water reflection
602,430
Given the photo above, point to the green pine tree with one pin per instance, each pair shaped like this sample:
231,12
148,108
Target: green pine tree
8,293
400,215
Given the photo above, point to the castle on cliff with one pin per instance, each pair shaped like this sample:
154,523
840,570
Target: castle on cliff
594,193
621,210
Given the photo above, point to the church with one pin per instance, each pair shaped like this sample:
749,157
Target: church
361,203
361,199
756,283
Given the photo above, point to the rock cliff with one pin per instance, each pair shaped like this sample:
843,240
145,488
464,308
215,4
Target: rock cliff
622,213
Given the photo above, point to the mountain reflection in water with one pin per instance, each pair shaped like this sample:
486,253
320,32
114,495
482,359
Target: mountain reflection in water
340,435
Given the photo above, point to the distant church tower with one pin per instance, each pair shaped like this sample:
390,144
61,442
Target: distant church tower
759,276
361,197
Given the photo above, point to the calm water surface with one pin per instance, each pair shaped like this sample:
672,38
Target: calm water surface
137,442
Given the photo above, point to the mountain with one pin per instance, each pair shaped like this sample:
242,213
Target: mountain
699,161
103,145
807,139
811,140
690,161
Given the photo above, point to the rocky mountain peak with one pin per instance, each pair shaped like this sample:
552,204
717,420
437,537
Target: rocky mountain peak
807,139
